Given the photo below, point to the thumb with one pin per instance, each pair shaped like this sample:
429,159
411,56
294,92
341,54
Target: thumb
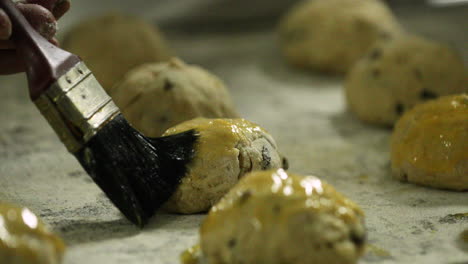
5,26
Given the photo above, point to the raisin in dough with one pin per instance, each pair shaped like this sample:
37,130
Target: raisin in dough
331,35
114,43
429,144
156,96
276,217
25,240
400,73
225,151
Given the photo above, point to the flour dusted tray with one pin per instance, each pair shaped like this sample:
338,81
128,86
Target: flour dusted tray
307,116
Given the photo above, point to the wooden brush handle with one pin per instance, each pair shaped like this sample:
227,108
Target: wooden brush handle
44,62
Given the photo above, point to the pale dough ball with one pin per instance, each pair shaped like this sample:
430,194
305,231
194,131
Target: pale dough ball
429,144
114,43
156,96
225,151
24,239
331,35
276,217
400,73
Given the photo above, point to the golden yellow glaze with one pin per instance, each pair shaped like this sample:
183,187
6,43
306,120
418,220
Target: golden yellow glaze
25,239
265,217
290,192
225,150
191,255
217,137
432,140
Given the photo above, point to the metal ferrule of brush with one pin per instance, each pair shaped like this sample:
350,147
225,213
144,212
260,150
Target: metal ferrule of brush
76,106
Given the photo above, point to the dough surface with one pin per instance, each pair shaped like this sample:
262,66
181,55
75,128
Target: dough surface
156,96
276,217
331,35
225,151
25,240
429,144
114,43
398,74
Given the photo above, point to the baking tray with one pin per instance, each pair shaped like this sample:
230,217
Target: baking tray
304,111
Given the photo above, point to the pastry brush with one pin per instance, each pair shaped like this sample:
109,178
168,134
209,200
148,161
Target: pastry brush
138,174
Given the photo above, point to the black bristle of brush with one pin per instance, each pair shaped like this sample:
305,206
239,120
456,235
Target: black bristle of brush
122,161
138,174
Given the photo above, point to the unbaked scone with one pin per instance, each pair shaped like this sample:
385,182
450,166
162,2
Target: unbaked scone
276,217
225,151
24,239
397,74
429,144
331,35
114,43
156,96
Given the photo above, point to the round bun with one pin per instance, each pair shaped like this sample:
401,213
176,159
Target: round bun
331,35
429,145
277,217
156,96
400,73
112,44
225,151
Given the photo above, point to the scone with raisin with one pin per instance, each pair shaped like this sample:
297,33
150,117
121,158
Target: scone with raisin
156,96
114,43
225,151
24,239
331,35
401,73
277,217
429,144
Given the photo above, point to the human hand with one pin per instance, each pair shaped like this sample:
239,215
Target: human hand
42,15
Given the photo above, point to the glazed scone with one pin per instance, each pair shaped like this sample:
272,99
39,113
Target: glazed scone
225,151
429,144
156,96
400,73
276,217
331,35
114,43
24,239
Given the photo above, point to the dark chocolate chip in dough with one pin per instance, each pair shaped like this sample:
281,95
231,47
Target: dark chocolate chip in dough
163,119
375,54
245,196
427,95
168,85
266,162
285,163
276,209
357,239
375,73
399,108
232,243
385,35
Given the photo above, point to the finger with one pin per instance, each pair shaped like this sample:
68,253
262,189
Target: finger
5,26
61,8
48,4
40,19
57,7
6,44
10,62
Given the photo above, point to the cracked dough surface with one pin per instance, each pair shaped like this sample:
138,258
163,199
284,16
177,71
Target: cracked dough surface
276,217
225,150
400,73
114,43
24,239
331,35
156,96
429,144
